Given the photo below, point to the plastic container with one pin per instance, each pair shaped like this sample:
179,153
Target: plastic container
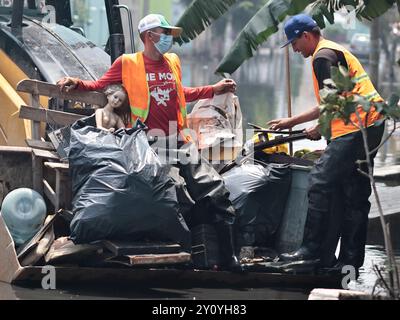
24,212
291,231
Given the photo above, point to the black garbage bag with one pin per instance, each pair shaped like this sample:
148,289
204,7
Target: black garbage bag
121,190
185,201
259,195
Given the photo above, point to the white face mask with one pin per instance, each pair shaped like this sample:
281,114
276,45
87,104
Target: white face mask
164,44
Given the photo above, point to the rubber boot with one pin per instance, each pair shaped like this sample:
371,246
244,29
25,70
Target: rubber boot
355,225
310,249
229,261
352,248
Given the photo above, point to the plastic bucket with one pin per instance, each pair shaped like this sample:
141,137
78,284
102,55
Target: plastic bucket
291,230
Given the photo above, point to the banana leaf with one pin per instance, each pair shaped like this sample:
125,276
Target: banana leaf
367,9
372,8
264,23
199,15
319,11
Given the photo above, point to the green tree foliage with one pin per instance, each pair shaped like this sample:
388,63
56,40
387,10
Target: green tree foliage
339,102
199,15
261,26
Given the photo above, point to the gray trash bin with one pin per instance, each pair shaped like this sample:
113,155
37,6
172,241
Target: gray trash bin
291,230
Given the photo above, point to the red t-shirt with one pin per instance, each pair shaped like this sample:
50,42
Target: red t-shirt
164,96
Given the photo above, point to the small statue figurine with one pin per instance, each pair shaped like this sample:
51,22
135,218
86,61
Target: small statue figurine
115,114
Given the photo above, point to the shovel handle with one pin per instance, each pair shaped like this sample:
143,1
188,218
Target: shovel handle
261,129
260,146
279,132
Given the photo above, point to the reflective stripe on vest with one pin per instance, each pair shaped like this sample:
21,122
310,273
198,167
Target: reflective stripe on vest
135,82
175,66
363,87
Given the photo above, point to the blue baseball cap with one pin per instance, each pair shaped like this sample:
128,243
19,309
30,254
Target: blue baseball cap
296,25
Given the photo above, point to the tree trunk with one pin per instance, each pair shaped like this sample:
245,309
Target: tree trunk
374,53
146,7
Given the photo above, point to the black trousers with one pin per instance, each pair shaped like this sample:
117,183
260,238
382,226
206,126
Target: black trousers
336,173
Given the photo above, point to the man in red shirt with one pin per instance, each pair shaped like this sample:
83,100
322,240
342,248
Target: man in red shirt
159,76
152,79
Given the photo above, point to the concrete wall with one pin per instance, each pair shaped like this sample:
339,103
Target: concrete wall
375,234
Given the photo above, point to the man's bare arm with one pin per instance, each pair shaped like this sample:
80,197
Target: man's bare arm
288,123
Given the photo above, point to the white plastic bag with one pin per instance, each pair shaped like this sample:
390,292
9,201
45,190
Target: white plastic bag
217,122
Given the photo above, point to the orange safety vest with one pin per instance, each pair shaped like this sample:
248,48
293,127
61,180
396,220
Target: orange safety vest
363,87
135,82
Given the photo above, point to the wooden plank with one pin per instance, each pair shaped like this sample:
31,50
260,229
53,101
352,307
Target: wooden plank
39,250
37,172
23,251
8,149
59,192
52,90
338,294
35,124
50,194
45,154
60,197
65,251
154,259
178,278
39,144
124,248
48,116
57,165
9,266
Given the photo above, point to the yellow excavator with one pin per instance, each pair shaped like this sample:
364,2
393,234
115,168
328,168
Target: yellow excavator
34,46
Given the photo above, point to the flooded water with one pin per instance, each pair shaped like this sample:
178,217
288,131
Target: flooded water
374,255
79,292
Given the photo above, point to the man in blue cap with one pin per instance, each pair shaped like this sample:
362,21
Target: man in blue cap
336,169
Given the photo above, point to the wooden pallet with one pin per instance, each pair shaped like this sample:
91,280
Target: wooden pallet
44,155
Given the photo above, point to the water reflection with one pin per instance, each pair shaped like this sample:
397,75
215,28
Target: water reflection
78,291
374,255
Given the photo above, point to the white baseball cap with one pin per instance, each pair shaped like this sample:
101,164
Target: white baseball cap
157,20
